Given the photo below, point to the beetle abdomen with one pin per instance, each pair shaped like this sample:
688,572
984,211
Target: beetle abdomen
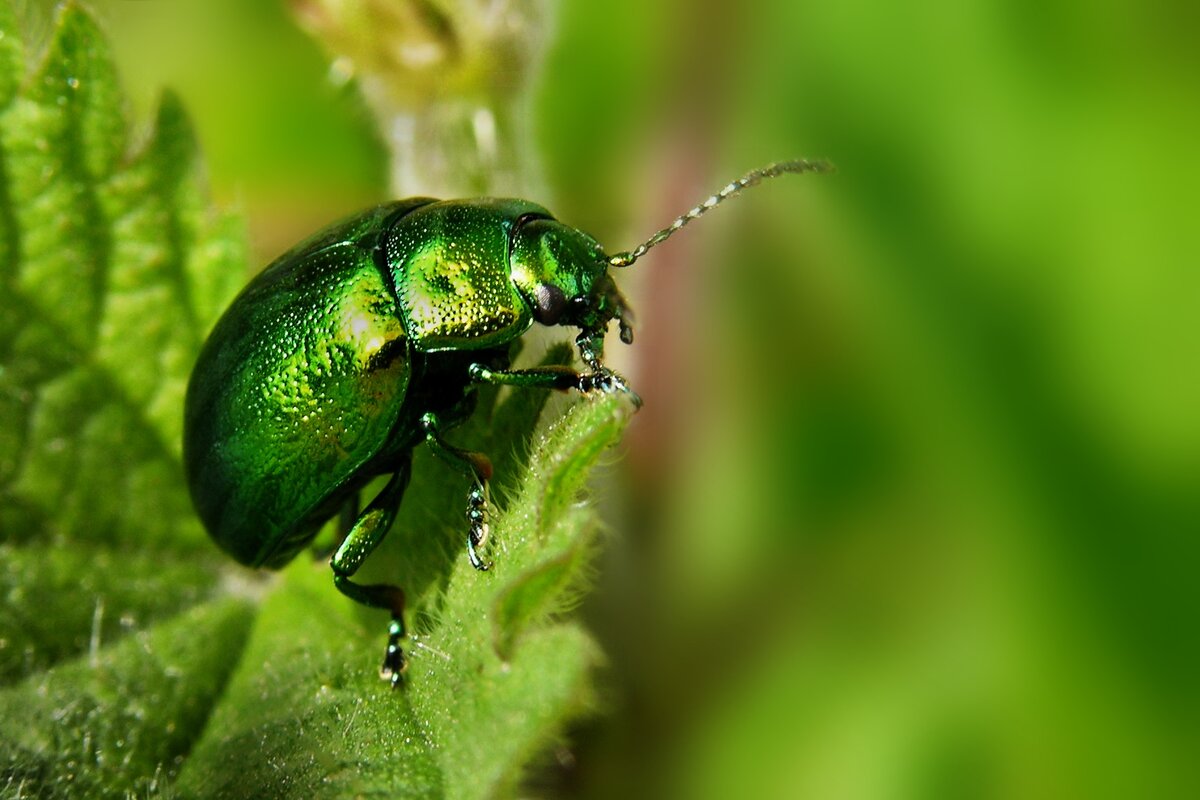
297,388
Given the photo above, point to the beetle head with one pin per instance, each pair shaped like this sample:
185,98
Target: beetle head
563,274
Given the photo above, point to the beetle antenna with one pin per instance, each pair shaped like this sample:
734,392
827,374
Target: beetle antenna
752,178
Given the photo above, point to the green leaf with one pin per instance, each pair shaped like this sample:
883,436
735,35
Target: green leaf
112,646
112,270
110,264
118,724
126,666
68,598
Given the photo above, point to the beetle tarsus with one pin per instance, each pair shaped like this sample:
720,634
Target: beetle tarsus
603,379
394,664
478,533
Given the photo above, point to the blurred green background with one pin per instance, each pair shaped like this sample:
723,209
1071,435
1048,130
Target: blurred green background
912,508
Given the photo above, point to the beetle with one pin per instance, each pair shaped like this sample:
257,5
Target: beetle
365,341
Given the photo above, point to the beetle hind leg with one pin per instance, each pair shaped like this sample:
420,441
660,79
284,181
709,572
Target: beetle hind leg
386,597
364,536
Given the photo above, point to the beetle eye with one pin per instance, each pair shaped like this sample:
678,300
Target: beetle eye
550,305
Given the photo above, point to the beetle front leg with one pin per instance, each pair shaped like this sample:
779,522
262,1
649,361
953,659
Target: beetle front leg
365,535
562,378
478,469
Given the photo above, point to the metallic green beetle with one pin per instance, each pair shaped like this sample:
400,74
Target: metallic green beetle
364,341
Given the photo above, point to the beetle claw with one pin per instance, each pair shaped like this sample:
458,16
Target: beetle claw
477,562
605,380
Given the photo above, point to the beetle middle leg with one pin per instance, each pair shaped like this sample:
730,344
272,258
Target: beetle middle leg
478,469
365,535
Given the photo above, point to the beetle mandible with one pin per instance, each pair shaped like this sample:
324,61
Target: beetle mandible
365,341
